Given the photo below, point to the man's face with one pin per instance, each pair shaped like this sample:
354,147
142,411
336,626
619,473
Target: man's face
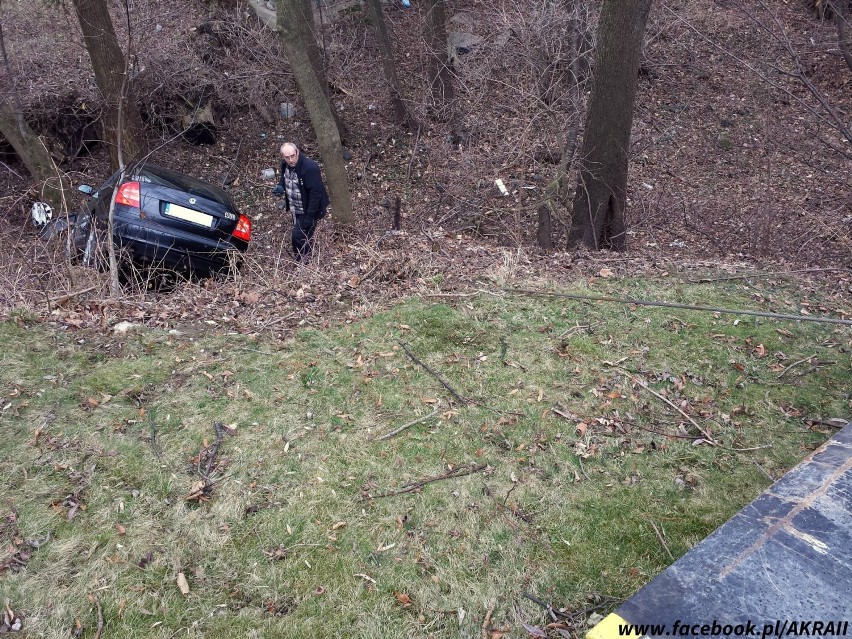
291,156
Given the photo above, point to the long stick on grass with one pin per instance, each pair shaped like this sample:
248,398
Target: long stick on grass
688,307
397,431
409,488
794,364
444,383
662,540
100,619
214,451
707,436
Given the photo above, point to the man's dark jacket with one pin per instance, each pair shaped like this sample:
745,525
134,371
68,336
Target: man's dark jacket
314,195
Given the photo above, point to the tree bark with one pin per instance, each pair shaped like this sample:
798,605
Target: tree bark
32,152
388,63
843,20
109,66
544,232
440,73
291,28
27,144
555,193
599,202
300,14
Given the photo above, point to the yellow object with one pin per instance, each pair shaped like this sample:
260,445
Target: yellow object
609,629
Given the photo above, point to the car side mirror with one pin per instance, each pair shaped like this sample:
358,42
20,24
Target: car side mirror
85,188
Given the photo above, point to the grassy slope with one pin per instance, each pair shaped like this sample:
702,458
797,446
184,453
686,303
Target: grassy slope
287,546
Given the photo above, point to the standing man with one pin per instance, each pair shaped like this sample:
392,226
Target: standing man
304,194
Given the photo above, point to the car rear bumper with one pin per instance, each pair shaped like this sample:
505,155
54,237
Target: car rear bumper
171,249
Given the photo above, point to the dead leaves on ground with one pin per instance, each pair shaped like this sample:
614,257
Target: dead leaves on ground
19,550
207,462
12,621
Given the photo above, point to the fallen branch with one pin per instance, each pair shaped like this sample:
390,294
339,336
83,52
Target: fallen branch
409,488
100,619
554,614
444,383
707,436
277,320
664,434
763,470
688,307
68,296
794,364
155,446
220,433
201,489
575,615
397,431
746,450
662,540
707,280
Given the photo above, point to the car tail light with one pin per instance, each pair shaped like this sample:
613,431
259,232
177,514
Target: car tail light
128,194
243,230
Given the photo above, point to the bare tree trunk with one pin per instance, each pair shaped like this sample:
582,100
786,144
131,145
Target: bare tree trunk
33,154
843,20
598,218
440,73
28,146
301,13
319,108
544,233
556,194
388,64
109,66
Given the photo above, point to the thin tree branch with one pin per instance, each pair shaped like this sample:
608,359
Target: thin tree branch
444,383
689,307
397,431
794,364
410,488
662,540
706,435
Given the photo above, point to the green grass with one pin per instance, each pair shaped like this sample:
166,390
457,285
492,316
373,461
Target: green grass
569,508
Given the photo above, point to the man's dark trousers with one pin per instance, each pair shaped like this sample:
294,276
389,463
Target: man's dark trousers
303,235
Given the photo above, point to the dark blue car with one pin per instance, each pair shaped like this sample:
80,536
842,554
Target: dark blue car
163,219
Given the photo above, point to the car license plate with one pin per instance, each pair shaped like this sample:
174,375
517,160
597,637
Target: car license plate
190,215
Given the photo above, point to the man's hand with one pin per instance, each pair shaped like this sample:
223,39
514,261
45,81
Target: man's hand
278,190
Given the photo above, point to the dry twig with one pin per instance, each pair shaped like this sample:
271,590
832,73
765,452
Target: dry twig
410,488
794,364
397,431
662,540
201,489
69,296
705,435
444,383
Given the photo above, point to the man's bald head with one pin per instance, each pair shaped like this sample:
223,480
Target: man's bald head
290,153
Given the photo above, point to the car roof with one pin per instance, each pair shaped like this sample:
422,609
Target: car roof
169,177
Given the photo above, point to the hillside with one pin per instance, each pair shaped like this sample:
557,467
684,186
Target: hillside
732,161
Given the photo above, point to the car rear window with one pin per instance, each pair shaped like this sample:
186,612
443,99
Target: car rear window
166,177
